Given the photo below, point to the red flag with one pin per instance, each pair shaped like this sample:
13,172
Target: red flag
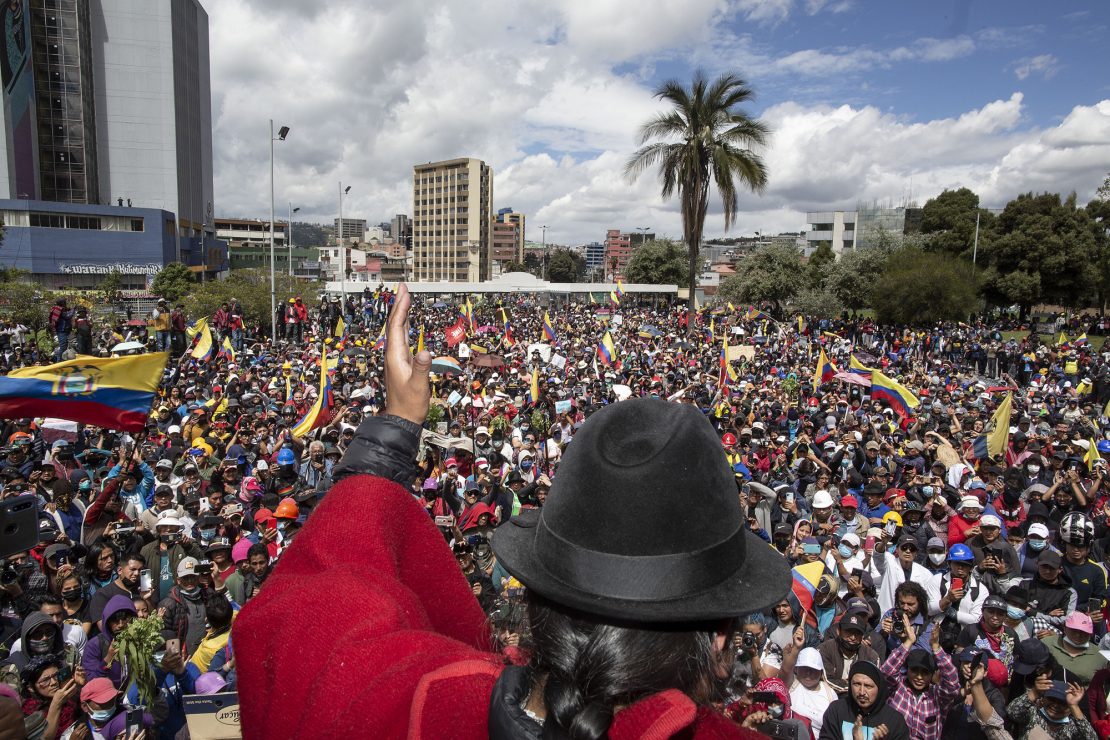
455,333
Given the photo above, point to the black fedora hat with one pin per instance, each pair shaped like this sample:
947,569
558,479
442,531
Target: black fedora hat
643,523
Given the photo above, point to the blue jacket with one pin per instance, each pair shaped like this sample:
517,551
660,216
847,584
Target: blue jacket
145,489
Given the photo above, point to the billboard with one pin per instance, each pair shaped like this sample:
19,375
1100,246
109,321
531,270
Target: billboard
19,93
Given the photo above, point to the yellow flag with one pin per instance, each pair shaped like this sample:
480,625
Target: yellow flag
340,327
999,436
1092,453
420,340
204,348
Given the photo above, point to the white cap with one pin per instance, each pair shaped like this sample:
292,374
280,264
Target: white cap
970,502
261,465
822,500
850,539
187,567
1038,530
173,429
810,658
990,520
167,519
481,430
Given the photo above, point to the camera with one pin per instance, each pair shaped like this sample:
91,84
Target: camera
898,629
747,639
8,576
204,566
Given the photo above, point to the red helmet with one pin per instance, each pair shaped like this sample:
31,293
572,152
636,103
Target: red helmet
729,439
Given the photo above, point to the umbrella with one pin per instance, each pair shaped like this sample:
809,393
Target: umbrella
866,358
647,331
488,361
352,351
127,346
446,366
137,322
853,379
439,304
683,345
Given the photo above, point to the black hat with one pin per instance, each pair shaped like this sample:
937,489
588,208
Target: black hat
1029,655
1050,557
921,658
853,620
686,555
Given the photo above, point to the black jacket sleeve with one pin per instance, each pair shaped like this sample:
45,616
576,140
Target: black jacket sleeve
384,446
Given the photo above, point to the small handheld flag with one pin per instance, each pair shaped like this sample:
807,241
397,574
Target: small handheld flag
205,347
340,327
549,329
315,416
420,340
606,350
534,388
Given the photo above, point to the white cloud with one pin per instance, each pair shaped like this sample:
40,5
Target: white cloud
1045,65
551,95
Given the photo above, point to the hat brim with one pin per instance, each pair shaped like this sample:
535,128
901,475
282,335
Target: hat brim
762,581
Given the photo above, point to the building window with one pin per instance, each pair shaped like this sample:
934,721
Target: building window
136,224
91,223
48,221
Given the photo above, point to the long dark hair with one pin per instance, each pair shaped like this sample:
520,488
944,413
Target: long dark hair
93,555
593,667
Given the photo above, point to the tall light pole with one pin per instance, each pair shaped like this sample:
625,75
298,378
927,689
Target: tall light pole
342,247
543,268
282,133
289,236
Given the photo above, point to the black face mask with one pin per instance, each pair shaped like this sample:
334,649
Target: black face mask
72,594
846,647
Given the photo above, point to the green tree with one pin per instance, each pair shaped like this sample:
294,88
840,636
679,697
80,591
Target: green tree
514,267
1045,251
173,282
110,286
818,264
919,287
565,266
771,274
948,223
852,278
704,139
251,287
818,302
25,303
658,262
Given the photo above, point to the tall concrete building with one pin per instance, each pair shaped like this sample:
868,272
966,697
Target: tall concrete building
110,102
451,220
509,216
353,229
618,250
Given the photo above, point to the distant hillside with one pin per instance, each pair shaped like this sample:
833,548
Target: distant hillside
311,235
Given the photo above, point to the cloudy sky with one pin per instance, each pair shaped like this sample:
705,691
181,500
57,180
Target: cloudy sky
867,100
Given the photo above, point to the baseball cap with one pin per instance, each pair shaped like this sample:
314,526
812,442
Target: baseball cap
187,567
1050,558
850,539
219,543
872,445
853,621
481,430
1080,621
908,540
99,690
990,520
1038,530
810,658
970,502
851,501
482,463
1058,691
921,658
1029,655
164,464
261,465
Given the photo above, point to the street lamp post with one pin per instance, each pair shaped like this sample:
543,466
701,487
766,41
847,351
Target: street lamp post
282,133
342,247
289,236
543,269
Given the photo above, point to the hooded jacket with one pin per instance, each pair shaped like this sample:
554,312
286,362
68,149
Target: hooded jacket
97,648
1052,596
841,714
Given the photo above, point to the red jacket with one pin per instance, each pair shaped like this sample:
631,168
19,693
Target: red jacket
413,660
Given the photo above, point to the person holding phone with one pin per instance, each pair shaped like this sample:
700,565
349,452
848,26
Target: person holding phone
50,687
909,671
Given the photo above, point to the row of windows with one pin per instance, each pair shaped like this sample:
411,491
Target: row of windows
86,223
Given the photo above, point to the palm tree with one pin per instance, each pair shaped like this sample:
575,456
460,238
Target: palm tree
703,139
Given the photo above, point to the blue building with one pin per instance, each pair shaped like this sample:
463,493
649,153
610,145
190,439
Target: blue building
595,255
70,245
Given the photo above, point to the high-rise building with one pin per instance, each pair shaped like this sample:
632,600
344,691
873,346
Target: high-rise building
353,229
400,228
509,216
451,220
618,250
595,255
505,245
109,102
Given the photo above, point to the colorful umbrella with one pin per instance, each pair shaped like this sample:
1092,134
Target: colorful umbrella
853,379
446,366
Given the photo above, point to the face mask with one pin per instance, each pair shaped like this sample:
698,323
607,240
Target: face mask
159,657
1077,645
847,648
845,551
845,463
927,491
73,594
970,516
1014,613
936,558
190,592
38,647
1036,545
100,716
282,526
1063,721
207,534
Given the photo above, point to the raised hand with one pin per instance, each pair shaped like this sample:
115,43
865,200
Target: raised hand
407,391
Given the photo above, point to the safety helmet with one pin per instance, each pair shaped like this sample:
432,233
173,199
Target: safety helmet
286,457
729,439
1103,446
961,553
287,509
893,516
1077,529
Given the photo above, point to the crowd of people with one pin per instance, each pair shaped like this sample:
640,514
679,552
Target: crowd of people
958,594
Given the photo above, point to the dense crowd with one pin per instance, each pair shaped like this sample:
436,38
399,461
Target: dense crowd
958,594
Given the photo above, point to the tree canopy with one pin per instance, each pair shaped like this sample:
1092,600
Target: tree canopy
659,262
172,282
565,266
772,274
918,287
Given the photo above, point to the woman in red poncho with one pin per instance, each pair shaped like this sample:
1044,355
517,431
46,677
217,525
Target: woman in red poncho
635,570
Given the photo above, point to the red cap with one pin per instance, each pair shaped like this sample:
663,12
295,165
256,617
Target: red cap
849,501
99,690
893,493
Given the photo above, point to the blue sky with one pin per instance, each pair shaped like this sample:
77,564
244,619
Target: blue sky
868,100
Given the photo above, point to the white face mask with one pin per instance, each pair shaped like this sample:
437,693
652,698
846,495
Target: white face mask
937,558
1034,469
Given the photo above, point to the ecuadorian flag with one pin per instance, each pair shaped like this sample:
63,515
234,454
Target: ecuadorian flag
115,393
549,329
606,350
825,370
314,417
895,394
858,368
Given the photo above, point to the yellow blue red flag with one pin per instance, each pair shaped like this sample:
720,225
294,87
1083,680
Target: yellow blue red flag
606,350
315,415
549,329
894,393
115,392
205,348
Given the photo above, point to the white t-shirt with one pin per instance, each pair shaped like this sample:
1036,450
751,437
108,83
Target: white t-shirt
812,704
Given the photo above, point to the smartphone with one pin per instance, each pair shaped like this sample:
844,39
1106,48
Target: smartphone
790,497
957,584
145,581
869,544
889,528
134,721
445,521
1094,605
173,646
778,729
764,697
